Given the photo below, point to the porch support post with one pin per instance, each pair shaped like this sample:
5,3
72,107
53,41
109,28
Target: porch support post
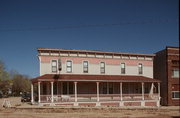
32,93
75,91
142,102
97,83
121,91
107,87
39,86
159,97
142,91
52,92
75,88
159,90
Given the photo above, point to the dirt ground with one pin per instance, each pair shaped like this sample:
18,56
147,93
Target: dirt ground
24,110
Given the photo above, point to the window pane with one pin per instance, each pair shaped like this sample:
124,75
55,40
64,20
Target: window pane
54,63
175,94
85,63
102,64
175,73
69,69
69,63
123,65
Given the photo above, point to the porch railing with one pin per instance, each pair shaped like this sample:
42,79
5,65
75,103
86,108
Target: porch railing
93,97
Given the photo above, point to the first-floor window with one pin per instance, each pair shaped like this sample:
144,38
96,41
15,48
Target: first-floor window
175,95
54,65
69,66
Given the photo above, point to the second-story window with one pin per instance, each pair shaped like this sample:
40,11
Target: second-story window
140,68
102,67
54,65
123,68
85,66
69,66
175,73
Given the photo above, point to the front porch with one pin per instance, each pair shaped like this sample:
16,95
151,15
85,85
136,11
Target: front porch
112,92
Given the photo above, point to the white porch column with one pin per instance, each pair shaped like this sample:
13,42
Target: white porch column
32,93
159,91
121,91
39,94
75,91
52,94
97,83
107,87
142,91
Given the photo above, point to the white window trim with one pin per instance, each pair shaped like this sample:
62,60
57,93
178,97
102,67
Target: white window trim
56,65
142,68
104,67
174,76
125,65
83,66
71,66
175,98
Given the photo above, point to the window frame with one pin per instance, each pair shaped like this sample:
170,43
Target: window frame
140,69
102,68
84,70
68,66
123,70
173,95
173,73
56,70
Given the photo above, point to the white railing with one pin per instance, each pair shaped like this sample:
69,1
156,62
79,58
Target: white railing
93,97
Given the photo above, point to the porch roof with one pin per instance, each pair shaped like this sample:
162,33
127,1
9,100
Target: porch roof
92,78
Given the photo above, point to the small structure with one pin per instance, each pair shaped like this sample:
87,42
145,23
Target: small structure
95,78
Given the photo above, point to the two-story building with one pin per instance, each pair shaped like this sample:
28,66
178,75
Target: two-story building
95,78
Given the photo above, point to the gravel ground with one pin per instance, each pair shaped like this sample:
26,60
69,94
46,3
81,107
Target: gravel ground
24,110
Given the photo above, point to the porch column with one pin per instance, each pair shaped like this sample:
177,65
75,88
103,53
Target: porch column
39,86
52,94
159,91
107,87
75,91
142,91
97,83
121,90
32,95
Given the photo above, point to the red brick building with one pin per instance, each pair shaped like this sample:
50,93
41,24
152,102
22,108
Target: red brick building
166,69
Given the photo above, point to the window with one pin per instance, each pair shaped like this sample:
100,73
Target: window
102,67
54,65
140,69
175,95
175,73
123,68
85,66
69,66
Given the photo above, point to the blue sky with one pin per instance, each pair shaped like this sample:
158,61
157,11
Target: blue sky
135,26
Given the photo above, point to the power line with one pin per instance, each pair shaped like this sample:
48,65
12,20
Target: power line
90,25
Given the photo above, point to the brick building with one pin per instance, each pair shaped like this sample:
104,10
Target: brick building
95,78
166,69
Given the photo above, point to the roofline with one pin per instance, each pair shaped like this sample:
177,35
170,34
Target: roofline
92,51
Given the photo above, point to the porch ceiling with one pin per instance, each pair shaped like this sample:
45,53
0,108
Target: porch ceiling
92,78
